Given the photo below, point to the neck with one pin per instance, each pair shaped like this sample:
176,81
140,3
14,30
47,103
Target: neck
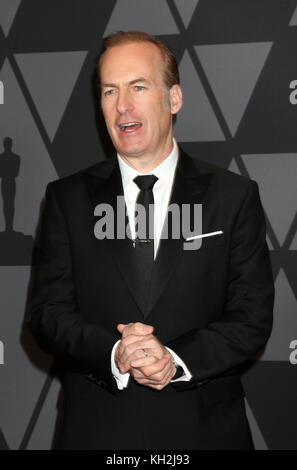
146,163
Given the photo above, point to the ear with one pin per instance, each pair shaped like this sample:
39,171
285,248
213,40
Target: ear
176,98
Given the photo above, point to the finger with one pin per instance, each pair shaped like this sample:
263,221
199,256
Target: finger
155,368
128,351
141,379
125,342
159,384
162,380
125,361
169,375
143,361
135,328
142,328
120,327
142,340
125,364
159,364
137,374
161,376
131,343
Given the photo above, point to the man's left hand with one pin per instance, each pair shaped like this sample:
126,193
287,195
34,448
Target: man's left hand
157,376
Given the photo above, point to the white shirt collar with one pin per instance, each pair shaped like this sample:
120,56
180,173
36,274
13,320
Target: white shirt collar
164,171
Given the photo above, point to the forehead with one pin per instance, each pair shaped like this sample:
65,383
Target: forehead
124,61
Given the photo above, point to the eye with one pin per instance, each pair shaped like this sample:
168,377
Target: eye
109,92
139,87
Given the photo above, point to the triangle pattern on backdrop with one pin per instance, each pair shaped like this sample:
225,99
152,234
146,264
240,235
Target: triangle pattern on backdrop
16,122
41,438
284,322
232,75
294,243
153,17
293,21
186,9
278,189
270,388
259,441
21,390
3,443
8,9
196,120
235,169
55,70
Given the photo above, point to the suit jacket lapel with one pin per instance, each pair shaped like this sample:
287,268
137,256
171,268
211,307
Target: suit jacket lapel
104,184
189,187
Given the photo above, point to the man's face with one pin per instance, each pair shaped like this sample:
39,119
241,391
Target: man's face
136,105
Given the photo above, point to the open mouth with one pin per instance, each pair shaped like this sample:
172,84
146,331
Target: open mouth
128,127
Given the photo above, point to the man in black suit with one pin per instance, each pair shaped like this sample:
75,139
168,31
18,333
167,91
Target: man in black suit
151,330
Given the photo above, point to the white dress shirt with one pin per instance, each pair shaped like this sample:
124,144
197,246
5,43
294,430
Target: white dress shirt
162,190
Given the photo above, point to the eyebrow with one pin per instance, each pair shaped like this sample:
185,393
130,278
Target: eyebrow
132,82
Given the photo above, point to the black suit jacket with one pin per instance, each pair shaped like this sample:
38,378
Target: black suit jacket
212,306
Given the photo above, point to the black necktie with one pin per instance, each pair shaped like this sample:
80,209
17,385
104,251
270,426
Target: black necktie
145,225
144,245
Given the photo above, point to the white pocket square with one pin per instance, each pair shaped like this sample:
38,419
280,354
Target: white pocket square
210,234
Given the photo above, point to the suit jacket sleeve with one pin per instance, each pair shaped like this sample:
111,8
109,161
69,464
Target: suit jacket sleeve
245,323
53,315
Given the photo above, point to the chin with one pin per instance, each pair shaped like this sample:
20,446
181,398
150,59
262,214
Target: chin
131,151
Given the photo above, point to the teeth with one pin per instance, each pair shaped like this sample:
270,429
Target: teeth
130,124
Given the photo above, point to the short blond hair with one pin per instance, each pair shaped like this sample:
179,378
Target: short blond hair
170,74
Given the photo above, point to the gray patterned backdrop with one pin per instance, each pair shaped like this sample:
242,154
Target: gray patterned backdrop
238,63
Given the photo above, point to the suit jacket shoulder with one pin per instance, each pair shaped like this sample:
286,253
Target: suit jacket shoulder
225,185
221,175
67,186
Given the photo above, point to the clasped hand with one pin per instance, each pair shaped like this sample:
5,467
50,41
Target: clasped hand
142,354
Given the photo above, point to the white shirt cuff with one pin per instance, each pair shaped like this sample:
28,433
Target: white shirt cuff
187,374
121,379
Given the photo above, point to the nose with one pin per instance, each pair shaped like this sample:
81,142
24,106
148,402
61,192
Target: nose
124,102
